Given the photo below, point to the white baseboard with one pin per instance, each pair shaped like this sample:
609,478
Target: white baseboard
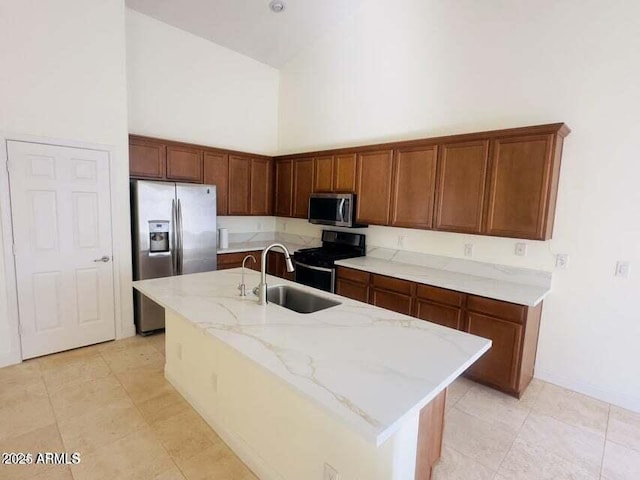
250,458
620,399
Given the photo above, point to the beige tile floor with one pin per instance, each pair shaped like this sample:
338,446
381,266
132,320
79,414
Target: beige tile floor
111,403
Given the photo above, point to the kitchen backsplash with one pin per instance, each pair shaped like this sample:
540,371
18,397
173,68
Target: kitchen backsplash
489,250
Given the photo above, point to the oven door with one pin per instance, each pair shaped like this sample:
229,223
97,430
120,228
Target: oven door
316,277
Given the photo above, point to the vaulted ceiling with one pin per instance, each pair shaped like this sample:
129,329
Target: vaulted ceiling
249,26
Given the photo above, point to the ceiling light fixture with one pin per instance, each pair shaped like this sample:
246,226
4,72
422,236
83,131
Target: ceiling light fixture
276,6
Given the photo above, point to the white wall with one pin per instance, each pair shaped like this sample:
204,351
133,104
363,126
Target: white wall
183,87
419,68
63,78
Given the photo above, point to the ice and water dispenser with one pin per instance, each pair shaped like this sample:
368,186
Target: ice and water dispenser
158,236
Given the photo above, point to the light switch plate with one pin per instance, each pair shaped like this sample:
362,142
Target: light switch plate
562,260
623,268
468,249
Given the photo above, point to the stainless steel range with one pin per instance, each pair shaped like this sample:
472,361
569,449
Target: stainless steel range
315,267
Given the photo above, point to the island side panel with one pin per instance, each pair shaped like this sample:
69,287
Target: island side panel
430,433
278,433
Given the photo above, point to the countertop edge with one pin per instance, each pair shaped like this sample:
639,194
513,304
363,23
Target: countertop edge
529,302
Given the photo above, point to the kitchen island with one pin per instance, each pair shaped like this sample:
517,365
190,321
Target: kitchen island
354,386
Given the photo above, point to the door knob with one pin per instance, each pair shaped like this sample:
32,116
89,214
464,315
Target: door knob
104,259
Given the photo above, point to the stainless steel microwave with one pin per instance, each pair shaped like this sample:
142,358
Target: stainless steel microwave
337,209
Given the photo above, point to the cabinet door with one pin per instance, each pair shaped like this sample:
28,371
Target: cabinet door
184,164
462,172
519,185
261,186
239,185
396,302
147,159
414,173
284,188
499,366
354,290
344,173
323,174
441,314
216,172
302,186
374,187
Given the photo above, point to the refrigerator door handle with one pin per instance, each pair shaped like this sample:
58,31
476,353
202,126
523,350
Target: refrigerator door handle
180,238
174,239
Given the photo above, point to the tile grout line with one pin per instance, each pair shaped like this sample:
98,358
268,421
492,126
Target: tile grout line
144,418
55,415
604,445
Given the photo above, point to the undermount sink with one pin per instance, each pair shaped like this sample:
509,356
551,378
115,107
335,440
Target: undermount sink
298,300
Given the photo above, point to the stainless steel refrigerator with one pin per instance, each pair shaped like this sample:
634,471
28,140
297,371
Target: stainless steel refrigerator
173,233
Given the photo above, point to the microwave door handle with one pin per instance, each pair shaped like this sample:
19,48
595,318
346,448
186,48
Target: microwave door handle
341,211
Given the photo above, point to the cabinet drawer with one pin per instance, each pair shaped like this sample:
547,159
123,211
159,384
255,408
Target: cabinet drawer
353,275
440,295
442,315
349,289
392,284
396,302
496,308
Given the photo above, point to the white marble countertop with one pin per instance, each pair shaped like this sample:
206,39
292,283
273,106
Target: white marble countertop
259,245
370,368
505,290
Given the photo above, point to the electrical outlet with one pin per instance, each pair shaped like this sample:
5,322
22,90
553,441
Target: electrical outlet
330,473
521,249
562,260
259,226
468,249
401,239
179,351
622,269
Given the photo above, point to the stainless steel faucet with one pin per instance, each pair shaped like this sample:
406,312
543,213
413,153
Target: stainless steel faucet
262,287
242,287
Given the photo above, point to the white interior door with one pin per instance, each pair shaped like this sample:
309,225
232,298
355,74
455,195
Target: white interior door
61,212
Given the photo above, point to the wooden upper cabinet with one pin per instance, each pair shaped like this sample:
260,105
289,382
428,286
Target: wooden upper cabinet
374,187
239,185
302,186
184,163
323,174
261,180
216,172
147,158
414,173
344,173
519,187
462,173
284,188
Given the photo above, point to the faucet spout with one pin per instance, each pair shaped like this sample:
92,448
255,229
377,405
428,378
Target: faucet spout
262,287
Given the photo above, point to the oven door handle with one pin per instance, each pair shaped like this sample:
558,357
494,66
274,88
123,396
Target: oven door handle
320,269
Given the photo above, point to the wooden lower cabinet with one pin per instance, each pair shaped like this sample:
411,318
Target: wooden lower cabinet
446,315
234,260
277,266
513,329
497,367
354,290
